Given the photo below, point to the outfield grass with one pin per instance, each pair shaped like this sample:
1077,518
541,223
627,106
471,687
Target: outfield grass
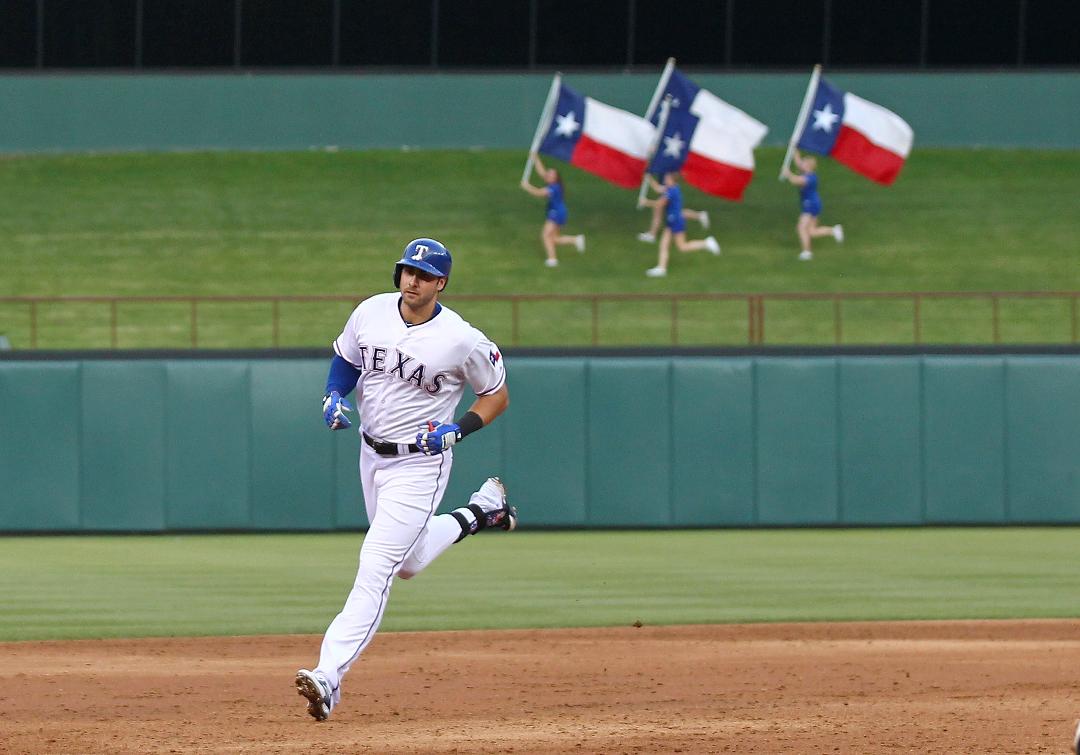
317,223
90,587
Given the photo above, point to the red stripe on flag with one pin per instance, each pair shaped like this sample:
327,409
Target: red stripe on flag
716,178
863,156
608,163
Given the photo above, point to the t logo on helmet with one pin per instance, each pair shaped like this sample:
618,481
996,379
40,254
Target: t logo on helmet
421,250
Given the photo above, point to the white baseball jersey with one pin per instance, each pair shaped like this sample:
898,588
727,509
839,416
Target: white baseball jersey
411,374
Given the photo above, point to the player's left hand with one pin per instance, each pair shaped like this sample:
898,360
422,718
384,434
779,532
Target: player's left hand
334,408
438,437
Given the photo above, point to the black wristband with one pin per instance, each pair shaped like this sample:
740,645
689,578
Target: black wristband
470,422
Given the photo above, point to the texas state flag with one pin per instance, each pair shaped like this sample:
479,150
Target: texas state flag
688,97
709,140
868,138
715,160
601,139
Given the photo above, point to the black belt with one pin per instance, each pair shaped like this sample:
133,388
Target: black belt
390,449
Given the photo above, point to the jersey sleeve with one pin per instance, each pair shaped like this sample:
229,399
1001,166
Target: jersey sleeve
345,344
484,367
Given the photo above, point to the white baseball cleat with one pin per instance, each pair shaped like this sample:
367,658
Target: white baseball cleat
1076,739
656,272
703,218
806,255
491,500
647,237
316,689
551,263
712,244
838,233
579,242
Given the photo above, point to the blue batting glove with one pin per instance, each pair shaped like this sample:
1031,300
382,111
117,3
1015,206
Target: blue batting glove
438,437
334,408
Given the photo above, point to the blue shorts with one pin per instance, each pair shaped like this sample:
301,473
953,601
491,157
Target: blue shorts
558,217
811,207
675,222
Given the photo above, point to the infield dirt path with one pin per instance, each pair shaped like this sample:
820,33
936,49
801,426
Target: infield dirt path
920,687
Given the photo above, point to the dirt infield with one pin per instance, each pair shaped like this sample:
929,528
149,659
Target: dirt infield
916,687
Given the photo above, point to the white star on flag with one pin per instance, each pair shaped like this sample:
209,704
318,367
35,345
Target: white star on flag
567,125
673,146
825,118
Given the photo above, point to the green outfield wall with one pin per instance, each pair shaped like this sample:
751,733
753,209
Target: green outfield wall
287,112
180,444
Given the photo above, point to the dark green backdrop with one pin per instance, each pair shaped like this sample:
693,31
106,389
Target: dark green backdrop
175,444
288,112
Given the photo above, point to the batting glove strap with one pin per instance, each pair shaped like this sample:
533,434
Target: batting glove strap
438,437
334,408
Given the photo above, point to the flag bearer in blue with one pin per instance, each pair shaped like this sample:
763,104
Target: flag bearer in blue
555,218
809,206
657,219
670,200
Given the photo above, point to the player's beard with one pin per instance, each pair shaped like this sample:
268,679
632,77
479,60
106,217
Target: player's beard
417,301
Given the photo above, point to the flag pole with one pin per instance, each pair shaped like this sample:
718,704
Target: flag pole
665,76
668,68
665,108
541,126
801,120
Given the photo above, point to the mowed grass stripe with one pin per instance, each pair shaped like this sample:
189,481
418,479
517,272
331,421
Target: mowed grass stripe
86,587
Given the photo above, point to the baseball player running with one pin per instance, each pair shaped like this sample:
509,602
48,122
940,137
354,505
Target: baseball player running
409,358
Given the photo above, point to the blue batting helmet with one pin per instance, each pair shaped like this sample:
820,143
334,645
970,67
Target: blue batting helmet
424,254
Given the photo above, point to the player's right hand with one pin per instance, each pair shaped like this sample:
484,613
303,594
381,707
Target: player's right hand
334,408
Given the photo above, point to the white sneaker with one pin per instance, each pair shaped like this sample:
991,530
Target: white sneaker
490,499
712,244
551,263
805,255
838,233
1076,740
703,218
579,242
656,272
316,689
647,237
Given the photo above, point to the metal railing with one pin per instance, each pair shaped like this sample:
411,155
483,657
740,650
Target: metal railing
755,306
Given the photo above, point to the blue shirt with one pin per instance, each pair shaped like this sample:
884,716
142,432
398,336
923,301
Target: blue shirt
555,201
808,192
674,200
809,200
556,207
673,212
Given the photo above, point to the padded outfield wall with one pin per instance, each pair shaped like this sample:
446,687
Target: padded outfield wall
59,113
193,443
